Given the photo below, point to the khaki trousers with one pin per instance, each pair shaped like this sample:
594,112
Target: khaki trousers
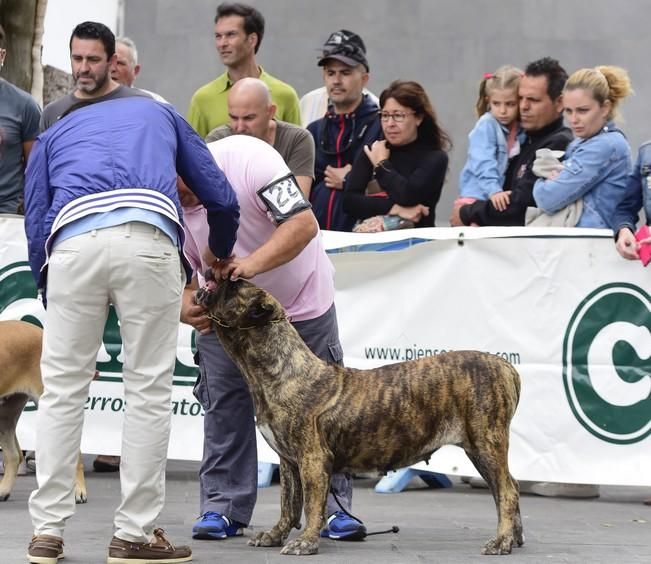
136,268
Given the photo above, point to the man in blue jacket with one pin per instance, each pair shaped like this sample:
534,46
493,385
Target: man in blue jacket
351,122
637,197
103,223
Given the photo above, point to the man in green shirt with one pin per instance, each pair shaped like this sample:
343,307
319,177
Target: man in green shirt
238,33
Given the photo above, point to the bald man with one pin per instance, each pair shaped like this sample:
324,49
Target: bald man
251,112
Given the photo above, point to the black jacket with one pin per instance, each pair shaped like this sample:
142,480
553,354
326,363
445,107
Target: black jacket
519,179
338,139
413,174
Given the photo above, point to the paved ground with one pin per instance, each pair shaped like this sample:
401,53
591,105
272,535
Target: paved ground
437,526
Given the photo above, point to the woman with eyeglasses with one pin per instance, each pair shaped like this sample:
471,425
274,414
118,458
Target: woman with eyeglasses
397,182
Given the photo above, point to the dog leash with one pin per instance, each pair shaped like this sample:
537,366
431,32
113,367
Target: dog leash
393,529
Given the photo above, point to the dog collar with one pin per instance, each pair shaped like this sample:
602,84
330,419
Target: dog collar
219,322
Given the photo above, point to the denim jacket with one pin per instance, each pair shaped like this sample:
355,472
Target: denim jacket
595,169
484,171
638,193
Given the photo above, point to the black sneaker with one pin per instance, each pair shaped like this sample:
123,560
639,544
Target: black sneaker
106,463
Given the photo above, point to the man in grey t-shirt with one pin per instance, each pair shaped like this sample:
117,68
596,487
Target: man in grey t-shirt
251,112
70,102
93,83
19,115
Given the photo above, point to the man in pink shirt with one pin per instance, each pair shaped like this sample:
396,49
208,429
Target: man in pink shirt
278,248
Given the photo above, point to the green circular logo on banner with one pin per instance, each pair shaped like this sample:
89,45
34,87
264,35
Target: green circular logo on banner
18,294
607,363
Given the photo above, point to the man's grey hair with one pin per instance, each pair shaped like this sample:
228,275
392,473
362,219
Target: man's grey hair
129,43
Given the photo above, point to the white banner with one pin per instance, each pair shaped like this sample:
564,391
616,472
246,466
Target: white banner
105,403
560,304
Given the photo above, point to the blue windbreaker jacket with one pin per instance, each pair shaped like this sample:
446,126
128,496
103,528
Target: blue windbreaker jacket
121,153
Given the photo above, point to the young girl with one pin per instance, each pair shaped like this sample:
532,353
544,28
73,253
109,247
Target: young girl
494,140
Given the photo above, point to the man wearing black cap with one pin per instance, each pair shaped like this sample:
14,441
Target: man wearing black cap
351,123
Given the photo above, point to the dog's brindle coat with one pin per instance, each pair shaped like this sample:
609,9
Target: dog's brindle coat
20,381
322,418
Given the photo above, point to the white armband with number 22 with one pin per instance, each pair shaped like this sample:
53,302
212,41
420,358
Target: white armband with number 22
283,198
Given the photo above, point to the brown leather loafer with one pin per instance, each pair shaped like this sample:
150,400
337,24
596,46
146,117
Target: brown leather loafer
160,551
45,549
106,463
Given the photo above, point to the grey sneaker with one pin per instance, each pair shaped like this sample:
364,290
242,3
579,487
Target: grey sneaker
160,551
30,461
558,489
45,549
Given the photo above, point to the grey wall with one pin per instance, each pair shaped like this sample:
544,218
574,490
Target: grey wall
446,45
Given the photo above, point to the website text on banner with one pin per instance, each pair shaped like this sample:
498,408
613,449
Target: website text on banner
559,304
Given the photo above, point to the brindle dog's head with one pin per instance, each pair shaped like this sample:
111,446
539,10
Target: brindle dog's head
239,304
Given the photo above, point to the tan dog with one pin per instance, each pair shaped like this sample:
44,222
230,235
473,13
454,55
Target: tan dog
20,381
323,419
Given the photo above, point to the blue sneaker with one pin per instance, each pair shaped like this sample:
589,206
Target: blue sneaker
342,526
215,526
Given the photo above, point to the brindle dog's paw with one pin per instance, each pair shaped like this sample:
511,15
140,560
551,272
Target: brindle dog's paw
266,538
301,546
498,546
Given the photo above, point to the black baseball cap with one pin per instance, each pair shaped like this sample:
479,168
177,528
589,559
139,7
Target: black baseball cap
344,46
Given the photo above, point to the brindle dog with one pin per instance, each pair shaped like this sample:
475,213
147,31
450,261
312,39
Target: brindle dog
20,381
322,418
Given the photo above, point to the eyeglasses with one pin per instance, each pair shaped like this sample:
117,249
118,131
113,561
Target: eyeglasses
398,117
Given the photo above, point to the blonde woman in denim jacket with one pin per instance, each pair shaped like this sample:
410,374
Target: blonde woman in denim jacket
597,163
